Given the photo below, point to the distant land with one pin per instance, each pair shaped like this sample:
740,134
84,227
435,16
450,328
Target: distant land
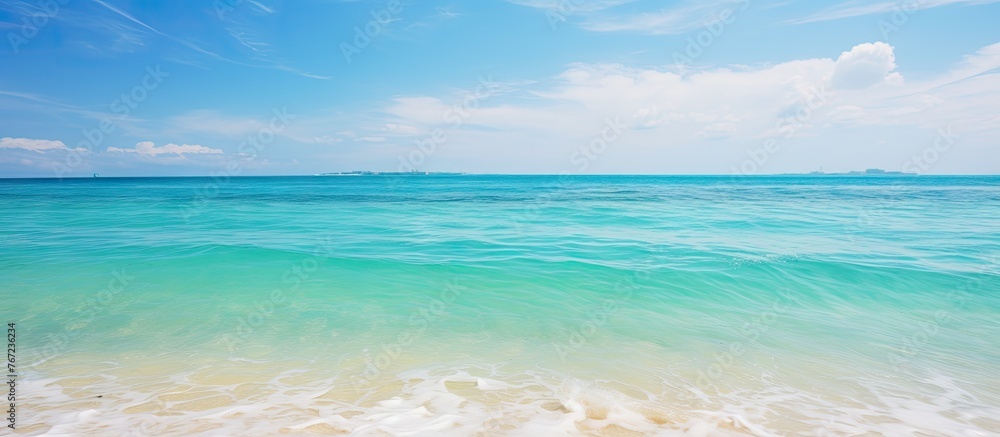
391,173
868,172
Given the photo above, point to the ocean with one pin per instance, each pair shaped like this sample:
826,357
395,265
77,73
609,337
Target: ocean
504,305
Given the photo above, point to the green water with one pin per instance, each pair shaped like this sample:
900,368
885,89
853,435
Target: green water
505,305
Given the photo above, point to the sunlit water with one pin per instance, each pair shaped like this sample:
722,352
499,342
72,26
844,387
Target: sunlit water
505,305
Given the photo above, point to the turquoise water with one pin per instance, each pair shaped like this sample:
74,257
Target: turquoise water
505,305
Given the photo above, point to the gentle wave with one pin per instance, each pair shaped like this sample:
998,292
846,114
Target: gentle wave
505,305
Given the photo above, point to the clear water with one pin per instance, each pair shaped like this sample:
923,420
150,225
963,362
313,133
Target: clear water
505,305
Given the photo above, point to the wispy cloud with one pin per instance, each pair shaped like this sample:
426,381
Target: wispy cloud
127,16
609,16
96,18
147,148
857,8
245,38
721,109
440,15
242,25
259,48
262,7
682,18
447,12
40,104
576,6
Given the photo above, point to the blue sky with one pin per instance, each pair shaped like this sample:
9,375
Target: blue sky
255,87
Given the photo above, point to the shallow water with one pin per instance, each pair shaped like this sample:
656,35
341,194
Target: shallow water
505,305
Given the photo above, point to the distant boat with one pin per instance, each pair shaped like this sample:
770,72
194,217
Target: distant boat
96,175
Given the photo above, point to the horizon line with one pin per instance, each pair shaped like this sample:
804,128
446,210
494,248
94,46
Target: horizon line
453,174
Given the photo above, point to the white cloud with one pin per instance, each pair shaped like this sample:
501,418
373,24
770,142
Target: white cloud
865,65
718,131
679,19
147,148
424,110
263,8
680,119
31,144
605,16
564,6
847,113
401,129
854,9
652,117
327,139
677,119
446,12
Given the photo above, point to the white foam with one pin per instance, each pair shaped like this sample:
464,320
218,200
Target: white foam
468,400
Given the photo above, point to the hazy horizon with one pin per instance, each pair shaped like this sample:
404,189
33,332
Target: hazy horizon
460,173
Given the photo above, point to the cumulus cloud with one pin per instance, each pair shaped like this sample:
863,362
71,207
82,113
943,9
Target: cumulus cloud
700,104
865,65
31,144
680,118
147,148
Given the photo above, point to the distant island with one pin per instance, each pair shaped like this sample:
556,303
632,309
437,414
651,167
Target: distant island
868,172
391,173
